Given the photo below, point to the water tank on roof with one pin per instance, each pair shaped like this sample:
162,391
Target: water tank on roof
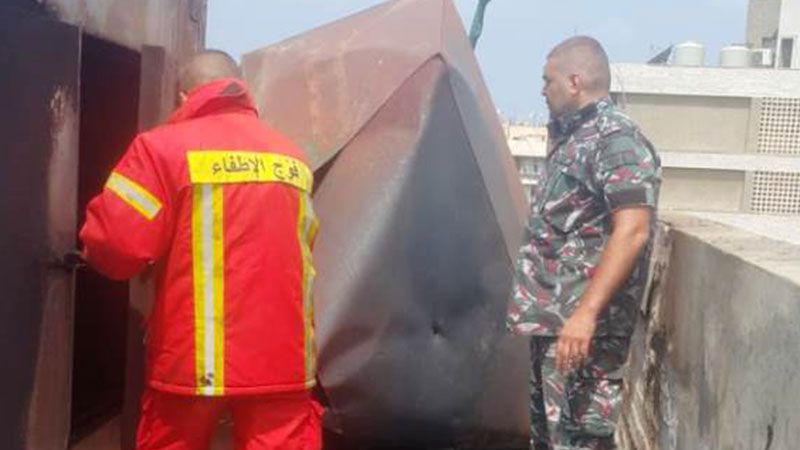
734,56
689,54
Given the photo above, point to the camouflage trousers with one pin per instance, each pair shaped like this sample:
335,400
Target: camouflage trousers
577,410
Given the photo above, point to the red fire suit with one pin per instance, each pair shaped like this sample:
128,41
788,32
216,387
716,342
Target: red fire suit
220,205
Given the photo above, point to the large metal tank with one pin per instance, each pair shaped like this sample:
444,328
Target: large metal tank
421,212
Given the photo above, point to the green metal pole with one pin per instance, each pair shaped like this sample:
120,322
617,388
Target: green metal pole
477,22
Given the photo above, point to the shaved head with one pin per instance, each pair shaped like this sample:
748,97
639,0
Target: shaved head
207,66
585,57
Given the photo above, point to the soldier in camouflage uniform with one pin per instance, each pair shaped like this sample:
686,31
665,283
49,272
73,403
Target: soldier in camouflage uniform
582,266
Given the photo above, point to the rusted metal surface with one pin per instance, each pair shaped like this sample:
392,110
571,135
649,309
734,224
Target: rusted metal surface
39,186
177,25
38,125
322,87
421,213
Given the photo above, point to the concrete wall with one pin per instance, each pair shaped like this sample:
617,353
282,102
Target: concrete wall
698,124
692,123
762,20
790,29
702,190
714,364
790,18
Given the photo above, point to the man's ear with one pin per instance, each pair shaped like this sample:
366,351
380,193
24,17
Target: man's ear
575,83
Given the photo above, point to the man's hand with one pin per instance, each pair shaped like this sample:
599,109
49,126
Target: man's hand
630,228
70,261
575,340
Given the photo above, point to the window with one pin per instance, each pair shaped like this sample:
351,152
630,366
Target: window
530,167
787,49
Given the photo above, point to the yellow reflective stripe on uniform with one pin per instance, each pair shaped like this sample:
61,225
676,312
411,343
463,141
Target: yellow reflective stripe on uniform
306,228
199,284
208,260
212,166
134,195
219,290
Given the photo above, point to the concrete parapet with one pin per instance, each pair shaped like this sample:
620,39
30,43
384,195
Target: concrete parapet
713,364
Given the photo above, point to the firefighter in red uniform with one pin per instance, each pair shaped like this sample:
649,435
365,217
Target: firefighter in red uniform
218,206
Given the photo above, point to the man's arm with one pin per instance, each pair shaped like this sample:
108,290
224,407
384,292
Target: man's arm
628,173
630,230
126,224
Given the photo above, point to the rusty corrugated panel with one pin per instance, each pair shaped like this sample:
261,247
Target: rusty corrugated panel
38,183
421,211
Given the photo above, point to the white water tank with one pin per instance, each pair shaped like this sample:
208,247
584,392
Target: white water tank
689,54
734,56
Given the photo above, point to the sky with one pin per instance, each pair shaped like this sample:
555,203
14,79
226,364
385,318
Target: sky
517,34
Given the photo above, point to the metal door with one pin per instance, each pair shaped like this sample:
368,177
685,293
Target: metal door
38,178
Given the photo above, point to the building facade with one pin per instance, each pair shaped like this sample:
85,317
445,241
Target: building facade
528,145
773,26
729,138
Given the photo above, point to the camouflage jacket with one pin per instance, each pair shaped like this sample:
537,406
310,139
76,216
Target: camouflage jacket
598,161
